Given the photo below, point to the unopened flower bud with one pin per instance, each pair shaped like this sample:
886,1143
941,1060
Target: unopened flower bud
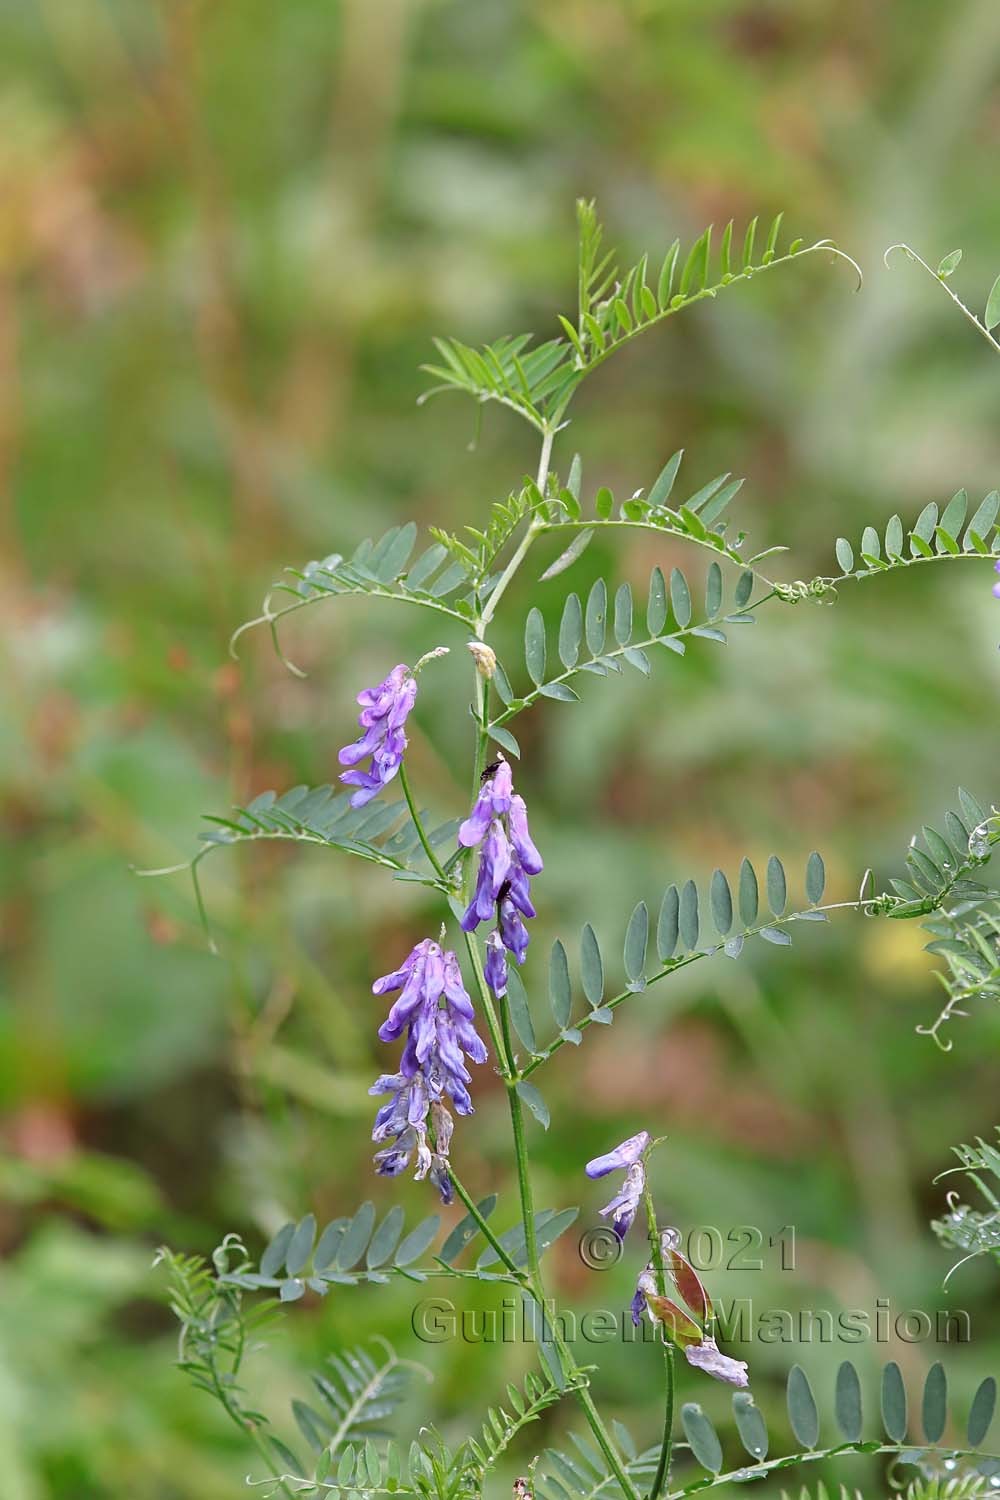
485,659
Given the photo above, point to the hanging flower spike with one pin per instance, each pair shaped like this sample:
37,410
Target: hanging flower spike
627,1157
499,822
996,586
384,710
435,1012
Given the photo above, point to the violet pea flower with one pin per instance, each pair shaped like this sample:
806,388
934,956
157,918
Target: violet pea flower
384,710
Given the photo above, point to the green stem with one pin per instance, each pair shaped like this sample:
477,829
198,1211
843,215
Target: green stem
531,1278
489,1010
662,1474
583,1395
482,732
521,550
404,782
523,1174
965,311
597,1427
481,1224
517,558
532,1285
242,1421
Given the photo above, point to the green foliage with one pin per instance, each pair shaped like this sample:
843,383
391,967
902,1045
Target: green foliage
505,517
842,1492
377,569
934,535
971,1487
963,914
382,833
359,1248
210,369
214,1331
319,815
698,519
585,1478
974,1231
990,317
526,1404
583,1474
347,1251
613,308
583,645
679,936
343,1427
354,1392
597,635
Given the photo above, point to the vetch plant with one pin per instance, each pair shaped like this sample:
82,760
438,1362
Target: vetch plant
459,1001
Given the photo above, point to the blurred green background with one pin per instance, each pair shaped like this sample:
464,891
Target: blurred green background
228,232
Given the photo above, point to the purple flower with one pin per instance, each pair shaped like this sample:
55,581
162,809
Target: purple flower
996,586
646,1286
499,823
627,1157
708,1357
624,1155
493,802
496,965
531,860
435,1012
688,1327
512,932
646,1283
383,713
625,1204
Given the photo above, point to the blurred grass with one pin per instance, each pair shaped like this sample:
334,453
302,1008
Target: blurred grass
227,235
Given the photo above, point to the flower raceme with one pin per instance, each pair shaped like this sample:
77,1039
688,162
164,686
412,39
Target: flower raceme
436,1014
498,825
996,586
628,1157
688,1326
384,710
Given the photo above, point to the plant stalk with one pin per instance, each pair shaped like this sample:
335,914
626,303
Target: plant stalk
662,1475
521,550
425,842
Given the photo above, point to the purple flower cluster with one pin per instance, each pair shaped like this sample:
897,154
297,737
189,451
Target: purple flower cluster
628,1158
499,823
689,1327
383,713
436,1014
996,586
